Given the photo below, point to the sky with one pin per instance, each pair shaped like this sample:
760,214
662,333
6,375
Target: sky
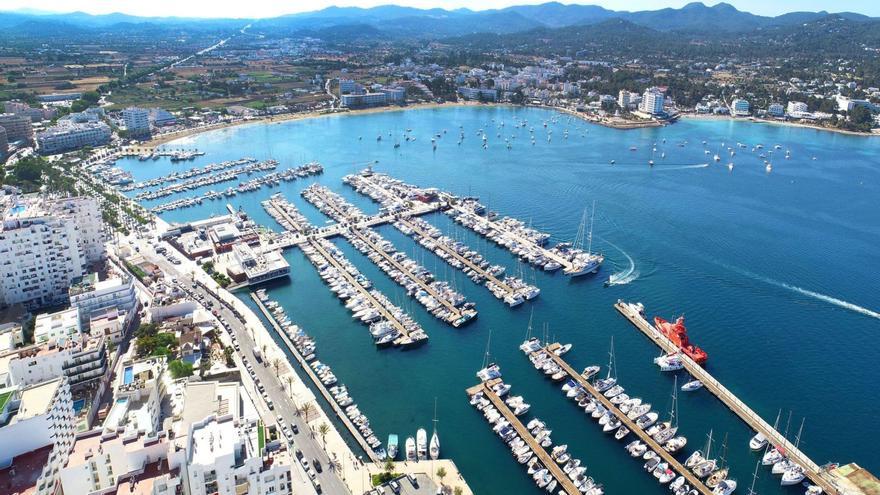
270,8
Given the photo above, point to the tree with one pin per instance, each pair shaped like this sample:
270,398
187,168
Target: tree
179,369
227,352
441,473
389,465
323,429
306,410
457,491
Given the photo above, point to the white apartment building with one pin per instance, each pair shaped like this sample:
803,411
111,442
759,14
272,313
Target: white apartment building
58,327
652,102
137,121
92,296
37,423
249,266
18,127
46,245
796,108
739,107
80,361
348,86
628,99
69,136
478,93
223,456
138,393
776,110
25,110
363,100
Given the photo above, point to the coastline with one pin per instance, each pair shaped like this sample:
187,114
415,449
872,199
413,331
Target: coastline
755,120
623,125
275,119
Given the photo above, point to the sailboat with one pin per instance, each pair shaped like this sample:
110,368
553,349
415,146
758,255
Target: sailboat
754,479
720,474
664,431
794,473
707,465
530,344
434,447
777,453
610,380
584,262
489,371
651,161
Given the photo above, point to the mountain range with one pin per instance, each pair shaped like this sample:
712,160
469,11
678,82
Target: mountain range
398,21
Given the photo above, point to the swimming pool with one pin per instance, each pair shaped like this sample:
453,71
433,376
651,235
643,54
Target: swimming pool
17,209
78,405
127,375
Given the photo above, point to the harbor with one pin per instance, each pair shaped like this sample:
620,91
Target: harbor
634,313
318,382
188,174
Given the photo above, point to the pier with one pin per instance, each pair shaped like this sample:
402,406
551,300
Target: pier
674,464
406,338
337,409
555,470
750,417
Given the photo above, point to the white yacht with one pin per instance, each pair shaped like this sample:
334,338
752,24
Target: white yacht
421,444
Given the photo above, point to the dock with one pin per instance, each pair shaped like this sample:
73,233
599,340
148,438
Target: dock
746,414
387,315
674,464
555,470
508,294
337,409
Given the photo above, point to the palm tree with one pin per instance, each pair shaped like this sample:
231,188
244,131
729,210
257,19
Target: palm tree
389,465
289,383
306,410
323,429
457,491
441,473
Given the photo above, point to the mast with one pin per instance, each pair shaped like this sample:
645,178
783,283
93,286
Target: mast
435,417
673,413
529,328
590,238
708,445
754,479
723,451
486,356
797,439
611,370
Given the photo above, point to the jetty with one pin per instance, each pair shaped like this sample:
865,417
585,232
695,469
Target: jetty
817,475
316,381
652,444
549,463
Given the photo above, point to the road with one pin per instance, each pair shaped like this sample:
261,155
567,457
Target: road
310,446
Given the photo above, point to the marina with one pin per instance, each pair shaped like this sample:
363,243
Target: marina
438,297
366,443
512,290
634,312
188,174
550,352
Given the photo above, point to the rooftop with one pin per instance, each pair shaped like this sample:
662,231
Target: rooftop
36,400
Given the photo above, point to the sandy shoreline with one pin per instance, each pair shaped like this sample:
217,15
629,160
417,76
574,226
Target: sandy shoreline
274,119
159,140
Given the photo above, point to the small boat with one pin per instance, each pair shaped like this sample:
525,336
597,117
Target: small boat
421,444
691,386
411,449
392,446
758,442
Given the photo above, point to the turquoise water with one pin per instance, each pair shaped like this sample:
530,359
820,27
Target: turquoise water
774,272
127,375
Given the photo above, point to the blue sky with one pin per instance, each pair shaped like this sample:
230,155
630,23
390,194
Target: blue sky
268,8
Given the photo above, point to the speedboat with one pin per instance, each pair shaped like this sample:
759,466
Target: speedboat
772,456
621,433
589,371
691,386
694,459
793,475
392,446
669,362
726,487
422,444
758,442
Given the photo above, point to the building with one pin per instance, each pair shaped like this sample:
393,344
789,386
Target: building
395,95
363,100
80,361
225,455
60,97
628,100
776,110
739,107
92,296
69,136
138,393
652,102
483,94
111,323
248,266
18,128
137,121
845,104
25,110
45,246
58,327
348,86
4,145
796,108
37,433
11,336
160,117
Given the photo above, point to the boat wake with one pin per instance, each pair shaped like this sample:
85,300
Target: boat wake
809,293
683,167
628,274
